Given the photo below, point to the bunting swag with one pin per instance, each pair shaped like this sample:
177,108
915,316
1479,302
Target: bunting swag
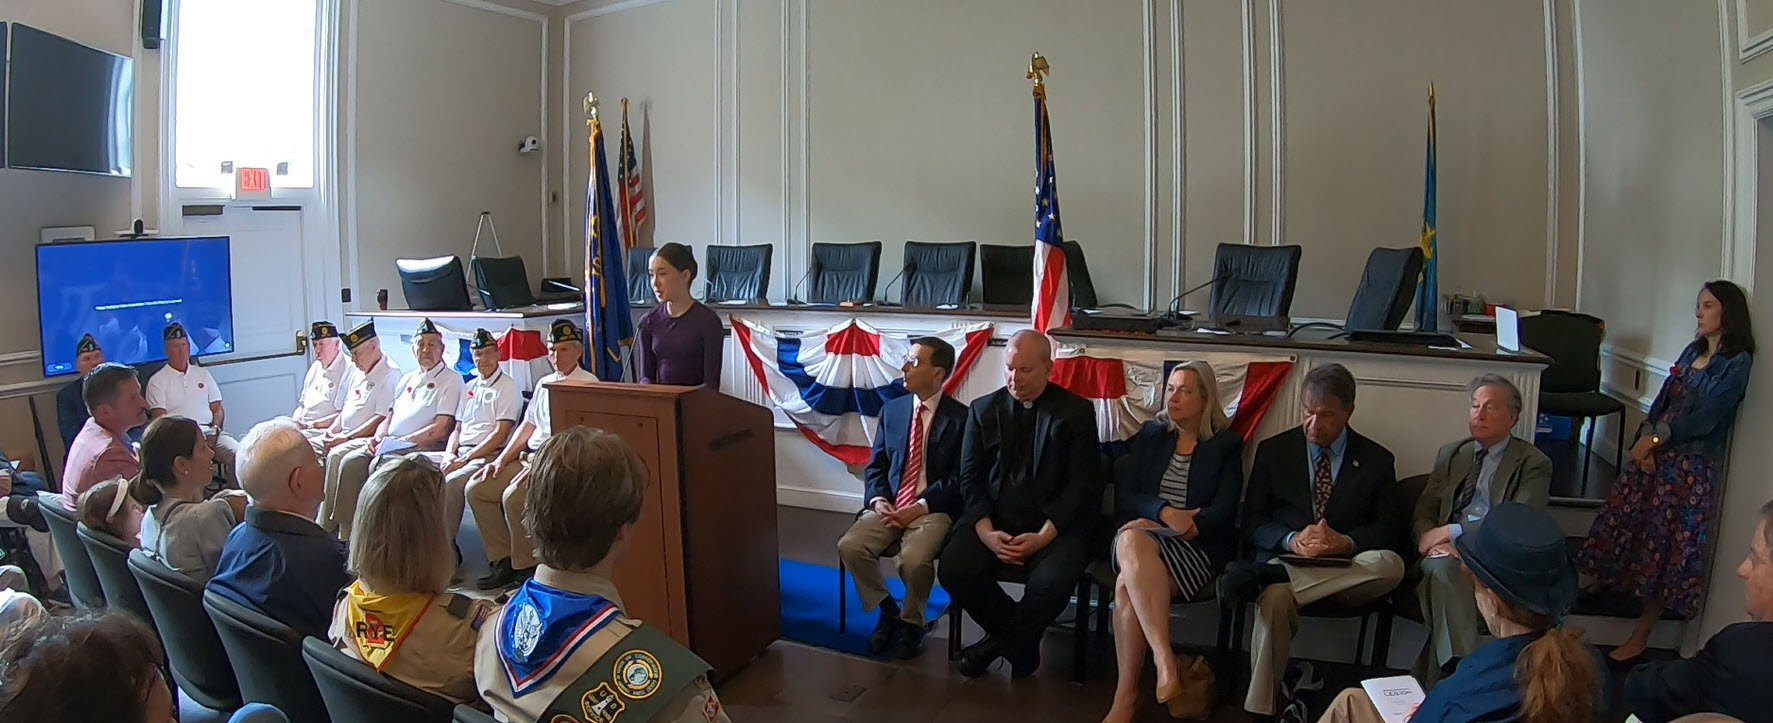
1128,389
832,383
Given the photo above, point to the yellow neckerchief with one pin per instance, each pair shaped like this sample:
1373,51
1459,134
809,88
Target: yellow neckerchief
380,623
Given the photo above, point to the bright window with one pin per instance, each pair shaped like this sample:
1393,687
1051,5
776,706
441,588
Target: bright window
245,91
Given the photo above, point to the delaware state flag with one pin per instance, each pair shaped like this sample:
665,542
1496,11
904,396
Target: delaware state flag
832,383
1127,388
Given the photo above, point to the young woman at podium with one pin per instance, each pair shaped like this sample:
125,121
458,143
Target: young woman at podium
680,339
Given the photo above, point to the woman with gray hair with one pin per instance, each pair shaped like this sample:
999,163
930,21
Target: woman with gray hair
396,617
1175,491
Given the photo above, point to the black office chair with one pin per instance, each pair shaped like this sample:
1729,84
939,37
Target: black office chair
1007,274
267,658
501,282
937,274
1255,281
356,693
199,663
110,560
1571,386
1387,288
83,580
640,282
843,272
464,714
1083,289
737,273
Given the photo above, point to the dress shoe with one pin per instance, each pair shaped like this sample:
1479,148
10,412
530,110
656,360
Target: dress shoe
1023,663
501,576
886,630
909,644
976,659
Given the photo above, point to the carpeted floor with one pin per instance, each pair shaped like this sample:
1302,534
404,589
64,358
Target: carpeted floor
810,607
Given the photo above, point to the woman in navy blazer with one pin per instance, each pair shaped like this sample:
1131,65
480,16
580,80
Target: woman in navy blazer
1176,492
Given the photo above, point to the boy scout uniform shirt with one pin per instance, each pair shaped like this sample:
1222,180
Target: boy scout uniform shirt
185,394
434,654
485,403
368,394
421,396
538,414
695,703
321,388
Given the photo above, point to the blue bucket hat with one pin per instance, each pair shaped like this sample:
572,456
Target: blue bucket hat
1520,554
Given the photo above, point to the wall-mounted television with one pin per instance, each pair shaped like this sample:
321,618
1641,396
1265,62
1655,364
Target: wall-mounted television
124,293
69,107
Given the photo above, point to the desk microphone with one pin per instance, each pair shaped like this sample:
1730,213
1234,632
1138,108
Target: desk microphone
887,292
1176,303
794,295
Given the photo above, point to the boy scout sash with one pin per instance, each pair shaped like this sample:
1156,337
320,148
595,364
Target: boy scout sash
633,681
380,623
541,627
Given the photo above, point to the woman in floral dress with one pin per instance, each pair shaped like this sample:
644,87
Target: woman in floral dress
1652,538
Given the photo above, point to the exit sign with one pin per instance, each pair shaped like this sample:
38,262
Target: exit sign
252,184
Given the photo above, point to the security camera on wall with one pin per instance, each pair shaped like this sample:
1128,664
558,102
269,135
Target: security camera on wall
530,144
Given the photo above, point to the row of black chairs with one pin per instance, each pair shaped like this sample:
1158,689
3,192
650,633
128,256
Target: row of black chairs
222,654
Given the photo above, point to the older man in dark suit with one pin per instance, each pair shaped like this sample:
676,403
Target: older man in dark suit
1031,470
1470,476
1320,522
912,495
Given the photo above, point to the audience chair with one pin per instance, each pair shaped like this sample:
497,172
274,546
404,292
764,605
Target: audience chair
736,273
1387,288
640,282
199,664
1571,386
267,658
356,693
1254,281
843,272
83,580
110,560
1006,274
464,714
937,274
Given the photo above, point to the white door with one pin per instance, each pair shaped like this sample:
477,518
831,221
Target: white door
272,299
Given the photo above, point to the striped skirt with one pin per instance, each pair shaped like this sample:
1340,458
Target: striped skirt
1189,566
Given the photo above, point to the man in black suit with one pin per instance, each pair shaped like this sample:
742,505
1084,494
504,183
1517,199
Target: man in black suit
1320,492
912,497
1030,468
1730,674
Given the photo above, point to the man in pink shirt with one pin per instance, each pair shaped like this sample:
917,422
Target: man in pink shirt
102,451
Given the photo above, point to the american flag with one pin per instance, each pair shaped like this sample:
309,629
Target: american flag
628,177
1052,289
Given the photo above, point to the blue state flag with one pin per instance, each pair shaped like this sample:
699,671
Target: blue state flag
1427,288
608,325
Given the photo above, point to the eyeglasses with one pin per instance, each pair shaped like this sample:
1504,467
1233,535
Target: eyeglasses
911,361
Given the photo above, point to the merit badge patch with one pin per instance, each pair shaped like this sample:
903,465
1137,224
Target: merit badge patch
638,674
600,705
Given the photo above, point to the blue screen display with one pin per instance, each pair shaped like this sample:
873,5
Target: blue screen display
124,293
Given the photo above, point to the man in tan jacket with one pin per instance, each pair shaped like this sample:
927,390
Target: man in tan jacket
562,649
1470,477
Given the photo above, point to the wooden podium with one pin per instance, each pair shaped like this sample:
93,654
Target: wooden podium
702,564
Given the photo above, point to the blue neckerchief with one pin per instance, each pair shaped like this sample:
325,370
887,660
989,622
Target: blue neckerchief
541,627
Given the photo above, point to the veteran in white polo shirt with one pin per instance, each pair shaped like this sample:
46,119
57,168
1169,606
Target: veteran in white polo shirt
484,420
324,384
420,420
184,389
497,491
364,403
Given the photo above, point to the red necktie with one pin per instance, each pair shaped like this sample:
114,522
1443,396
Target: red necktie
1321,484
913,472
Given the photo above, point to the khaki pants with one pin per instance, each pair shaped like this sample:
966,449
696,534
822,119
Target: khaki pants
1449,612
497,504
1352,706
226,448
455,486
1373,575
917,546
347,467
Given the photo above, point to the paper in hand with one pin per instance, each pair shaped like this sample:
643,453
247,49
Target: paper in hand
1395,697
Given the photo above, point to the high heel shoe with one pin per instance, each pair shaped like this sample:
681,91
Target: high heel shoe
1171,697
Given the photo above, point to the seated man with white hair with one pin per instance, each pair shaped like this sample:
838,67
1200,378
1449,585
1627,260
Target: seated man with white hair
280,562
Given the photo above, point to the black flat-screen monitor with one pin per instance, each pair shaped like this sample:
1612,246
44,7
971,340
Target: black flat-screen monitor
71,106
435,284
124,293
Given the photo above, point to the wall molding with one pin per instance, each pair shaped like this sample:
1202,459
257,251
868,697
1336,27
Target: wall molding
1249,28
1553,158
1746,111
1581,145
816,499
1746,46
1148,51
1655,371
31,388
1736,262
29,356
1277,126
1178,153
